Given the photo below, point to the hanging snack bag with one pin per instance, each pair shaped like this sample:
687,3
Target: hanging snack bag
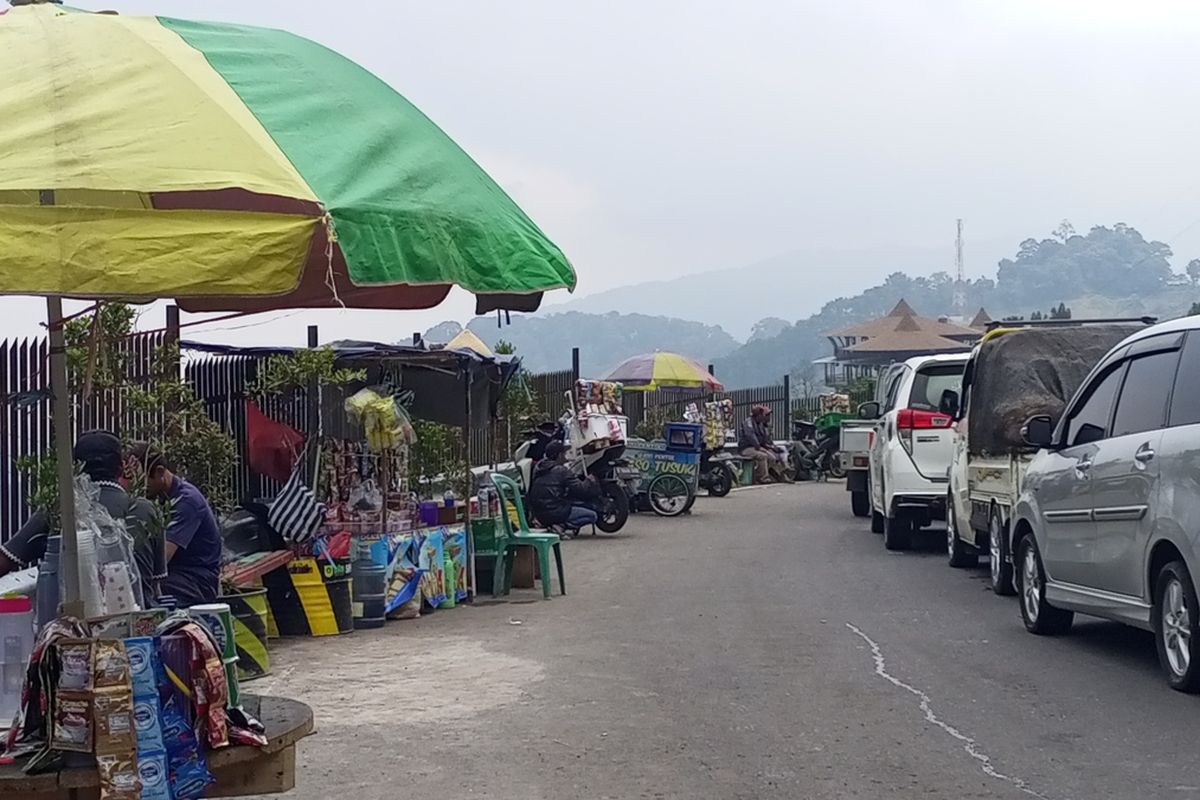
143,662
110,664
153,774
118,778
72,722
113,714
75,665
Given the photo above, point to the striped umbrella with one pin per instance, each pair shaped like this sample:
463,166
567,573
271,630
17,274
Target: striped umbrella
238,168
663,371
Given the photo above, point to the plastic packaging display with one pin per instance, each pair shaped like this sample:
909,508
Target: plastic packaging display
107,569
386,425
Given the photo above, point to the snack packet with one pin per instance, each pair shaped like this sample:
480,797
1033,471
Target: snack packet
71,722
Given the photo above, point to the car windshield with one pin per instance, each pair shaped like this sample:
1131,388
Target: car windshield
931,381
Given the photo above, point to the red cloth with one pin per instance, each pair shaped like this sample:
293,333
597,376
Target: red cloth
271,447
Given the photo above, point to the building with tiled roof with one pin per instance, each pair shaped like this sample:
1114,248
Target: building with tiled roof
861,350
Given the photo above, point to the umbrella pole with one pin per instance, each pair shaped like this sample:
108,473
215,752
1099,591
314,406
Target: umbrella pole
61,417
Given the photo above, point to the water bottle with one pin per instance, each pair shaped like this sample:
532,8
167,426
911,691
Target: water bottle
16,645
47,592
450,582
448,498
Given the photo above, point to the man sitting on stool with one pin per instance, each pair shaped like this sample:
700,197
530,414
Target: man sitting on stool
553,488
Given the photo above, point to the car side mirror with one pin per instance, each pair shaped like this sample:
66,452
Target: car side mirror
948,404
869,410
1038,431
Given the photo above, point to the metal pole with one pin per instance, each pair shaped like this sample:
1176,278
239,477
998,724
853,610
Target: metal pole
574,364
61,410
467,514
787,406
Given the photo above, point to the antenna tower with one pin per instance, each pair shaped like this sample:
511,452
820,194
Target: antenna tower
960,278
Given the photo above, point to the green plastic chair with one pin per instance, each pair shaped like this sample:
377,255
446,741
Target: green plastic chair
508,540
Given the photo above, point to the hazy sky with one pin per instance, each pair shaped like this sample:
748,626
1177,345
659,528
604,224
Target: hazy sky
656,139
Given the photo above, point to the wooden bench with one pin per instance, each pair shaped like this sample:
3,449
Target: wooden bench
239,771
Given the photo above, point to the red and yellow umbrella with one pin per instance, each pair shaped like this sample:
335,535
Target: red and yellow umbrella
663,371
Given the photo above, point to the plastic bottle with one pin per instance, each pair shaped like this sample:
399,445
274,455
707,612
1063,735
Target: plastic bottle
448,498
451,582
47,583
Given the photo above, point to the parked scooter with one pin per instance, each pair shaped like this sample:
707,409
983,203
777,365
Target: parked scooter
611,471
716,472
815,453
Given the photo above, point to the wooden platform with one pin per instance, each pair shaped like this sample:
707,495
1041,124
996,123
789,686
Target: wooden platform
239,771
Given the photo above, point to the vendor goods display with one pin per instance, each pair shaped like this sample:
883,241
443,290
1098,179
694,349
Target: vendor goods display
718,423
386,425
355,483
597,421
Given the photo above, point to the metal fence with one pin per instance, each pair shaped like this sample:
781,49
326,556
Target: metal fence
25,393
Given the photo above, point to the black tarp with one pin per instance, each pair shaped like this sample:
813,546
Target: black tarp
1030,371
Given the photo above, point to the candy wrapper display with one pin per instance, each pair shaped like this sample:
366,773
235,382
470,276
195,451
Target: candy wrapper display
386,426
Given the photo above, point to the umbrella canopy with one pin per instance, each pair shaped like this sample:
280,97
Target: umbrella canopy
238,168
663,371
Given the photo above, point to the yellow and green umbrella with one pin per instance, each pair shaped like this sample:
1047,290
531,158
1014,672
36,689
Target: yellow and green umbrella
663,371
215,163
232,168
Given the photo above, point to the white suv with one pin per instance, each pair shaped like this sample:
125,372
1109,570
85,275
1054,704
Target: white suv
912,446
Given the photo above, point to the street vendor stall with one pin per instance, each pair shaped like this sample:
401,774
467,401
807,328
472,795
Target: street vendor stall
393,533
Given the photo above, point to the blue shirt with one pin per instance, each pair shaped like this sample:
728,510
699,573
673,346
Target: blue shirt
193,574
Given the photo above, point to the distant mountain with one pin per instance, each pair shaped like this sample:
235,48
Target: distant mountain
544,341
1110,271
791,286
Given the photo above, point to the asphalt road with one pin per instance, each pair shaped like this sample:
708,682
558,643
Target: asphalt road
766,646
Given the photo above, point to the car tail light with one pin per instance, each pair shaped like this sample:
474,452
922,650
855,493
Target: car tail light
913,419
861,461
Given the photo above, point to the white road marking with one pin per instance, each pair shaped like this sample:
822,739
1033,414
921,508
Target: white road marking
969,745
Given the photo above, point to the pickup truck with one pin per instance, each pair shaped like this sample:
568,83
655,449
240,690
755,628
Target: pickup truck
855,451
855,458
1015,372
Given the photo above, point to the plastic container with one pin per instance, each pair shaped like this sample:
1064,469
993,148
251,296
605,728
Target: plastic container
16,644
47,583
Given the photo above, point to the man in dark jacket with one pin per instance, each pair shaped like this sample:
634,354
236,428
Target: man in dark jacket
553,488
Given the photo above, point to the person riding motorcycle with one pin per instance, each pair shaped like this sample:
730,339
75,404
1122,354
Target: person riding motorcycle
555,486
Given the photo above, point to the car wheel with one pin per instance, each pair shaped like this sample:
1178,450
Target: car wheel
1177,627
860,504
1039,616
1001,567
897,532
961,554
876,517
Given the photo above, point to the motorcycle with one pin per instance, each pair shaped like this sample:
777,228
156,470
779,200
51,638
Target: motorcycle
611,471
815,452
716,472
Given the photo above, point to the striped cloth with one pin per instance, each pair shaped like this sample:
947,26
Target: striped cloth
295,513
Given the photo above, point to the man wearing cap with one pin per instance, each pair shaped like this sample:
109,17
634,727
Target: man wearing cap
555,486
101,456
193,539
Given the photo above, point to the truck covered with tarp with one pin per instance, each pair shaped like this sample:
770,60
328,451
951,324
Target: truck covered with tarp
1014,373
1017,373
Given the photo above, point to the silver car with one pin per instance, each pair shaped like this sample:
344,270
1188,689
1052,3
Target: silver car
1108,520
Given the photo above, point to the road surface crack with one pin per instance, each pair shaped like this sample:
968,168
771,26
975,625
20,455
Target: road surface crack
969,745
